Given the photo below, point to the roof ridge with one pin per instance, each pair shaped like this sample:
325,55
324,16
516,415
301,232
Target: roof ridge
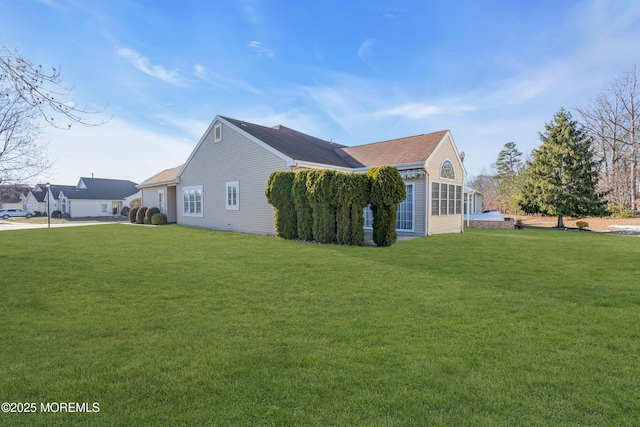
399,139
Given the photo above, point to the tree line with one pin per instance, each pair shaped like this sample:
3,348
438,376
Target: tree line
582,166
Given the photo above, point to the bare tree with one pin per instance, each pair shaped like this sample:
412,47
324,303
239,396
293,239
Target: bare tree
28,93
613,121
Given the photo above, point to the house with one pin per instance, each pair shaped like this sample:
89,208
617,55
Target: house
11,196
160,191
91,197
222,183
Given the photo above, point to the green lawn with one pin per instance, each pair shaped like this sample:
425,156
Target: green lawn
184,326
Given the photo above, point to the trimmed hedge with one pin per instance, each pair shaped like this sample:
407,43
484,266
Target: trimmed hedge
125,211
159,219
278,193
320,194
150,213
56,214
387,192
351,195
304,213
141,214
133,214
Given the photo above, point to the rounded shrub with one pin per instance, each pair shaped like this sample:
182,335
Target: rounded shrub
387,192
141,214
56,214
278,194
133,214
125,211
150,213
159,219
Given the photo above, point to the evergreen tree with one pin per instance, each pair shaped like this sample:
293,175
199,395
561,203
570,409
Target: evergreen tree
563,176
507,176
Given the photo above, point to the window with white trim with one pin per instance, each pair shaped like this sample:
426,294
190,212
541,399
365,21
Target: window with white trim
103,207
404,214
217,132
161,200
446,199
233,196
447,171
192,201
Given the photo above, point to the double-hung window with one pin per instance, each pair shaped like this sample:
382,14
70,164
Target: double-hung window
192,201
233,196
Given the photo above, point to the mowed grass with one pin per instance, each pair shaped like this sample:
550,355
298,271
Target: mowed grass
184,326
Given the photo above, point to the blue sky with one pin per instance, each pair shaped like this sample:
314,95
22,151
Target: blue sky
353,72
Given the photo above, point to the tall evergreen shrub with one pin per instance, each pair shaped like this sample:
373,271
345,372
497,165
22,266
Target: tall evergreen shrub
351,195
387,191
150,213
141,214
133,212
304,213
278,193
320,194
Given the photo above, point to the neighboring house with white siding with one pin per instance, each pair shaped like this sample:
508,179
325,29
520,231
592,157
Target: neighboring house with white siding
91,197
222,183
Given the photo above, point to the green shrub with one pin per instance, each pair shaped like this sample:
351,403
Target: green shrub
320,194
159,219
141,214
56,214
618,212
133,214
125,211
150,213
278,194
582,225
387,191
351,195
304,213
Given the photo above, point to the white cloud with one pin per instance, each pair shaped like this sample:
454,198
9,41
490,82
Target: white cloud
259,50
143,64
420,111
217,80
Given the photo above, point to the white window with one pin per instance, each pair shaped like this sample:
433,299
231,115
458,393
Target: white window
446,199
192,201
161,201
404,214
217,132
447,171
103,207
233,196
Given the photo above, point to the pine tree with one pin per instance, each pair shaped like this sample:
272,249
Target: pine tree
507,176
563,176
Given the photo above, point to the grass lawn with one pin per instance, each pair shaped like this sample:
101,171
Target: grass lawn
185,326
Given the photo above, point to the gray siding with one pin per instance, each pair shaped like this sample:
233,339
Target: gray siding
235,158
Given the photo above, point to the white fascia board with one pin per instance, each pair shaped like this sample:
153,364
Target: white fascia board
312,165
401,166
159,184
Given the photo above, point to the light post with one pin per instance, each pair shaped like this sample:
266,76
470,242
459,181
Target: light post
48,206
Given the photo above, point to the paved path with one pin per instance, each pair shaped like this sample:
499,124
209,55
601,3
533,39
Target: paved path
8,224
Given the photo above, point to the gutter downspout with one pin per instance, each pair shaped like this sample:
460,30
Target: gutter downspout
427,212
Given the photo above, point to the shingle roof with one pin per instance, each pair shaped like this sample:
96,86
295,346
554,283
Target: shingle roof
166,176
55,191
396,151
103,189
298,145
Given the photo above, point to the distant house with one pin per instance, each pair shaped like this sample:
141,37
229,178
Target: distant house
11,196
91,197
222,183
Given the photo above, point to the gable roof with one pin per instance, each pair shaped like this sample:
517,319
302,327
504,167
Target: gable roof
167,176
411,149
297,145
40,190
101,189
